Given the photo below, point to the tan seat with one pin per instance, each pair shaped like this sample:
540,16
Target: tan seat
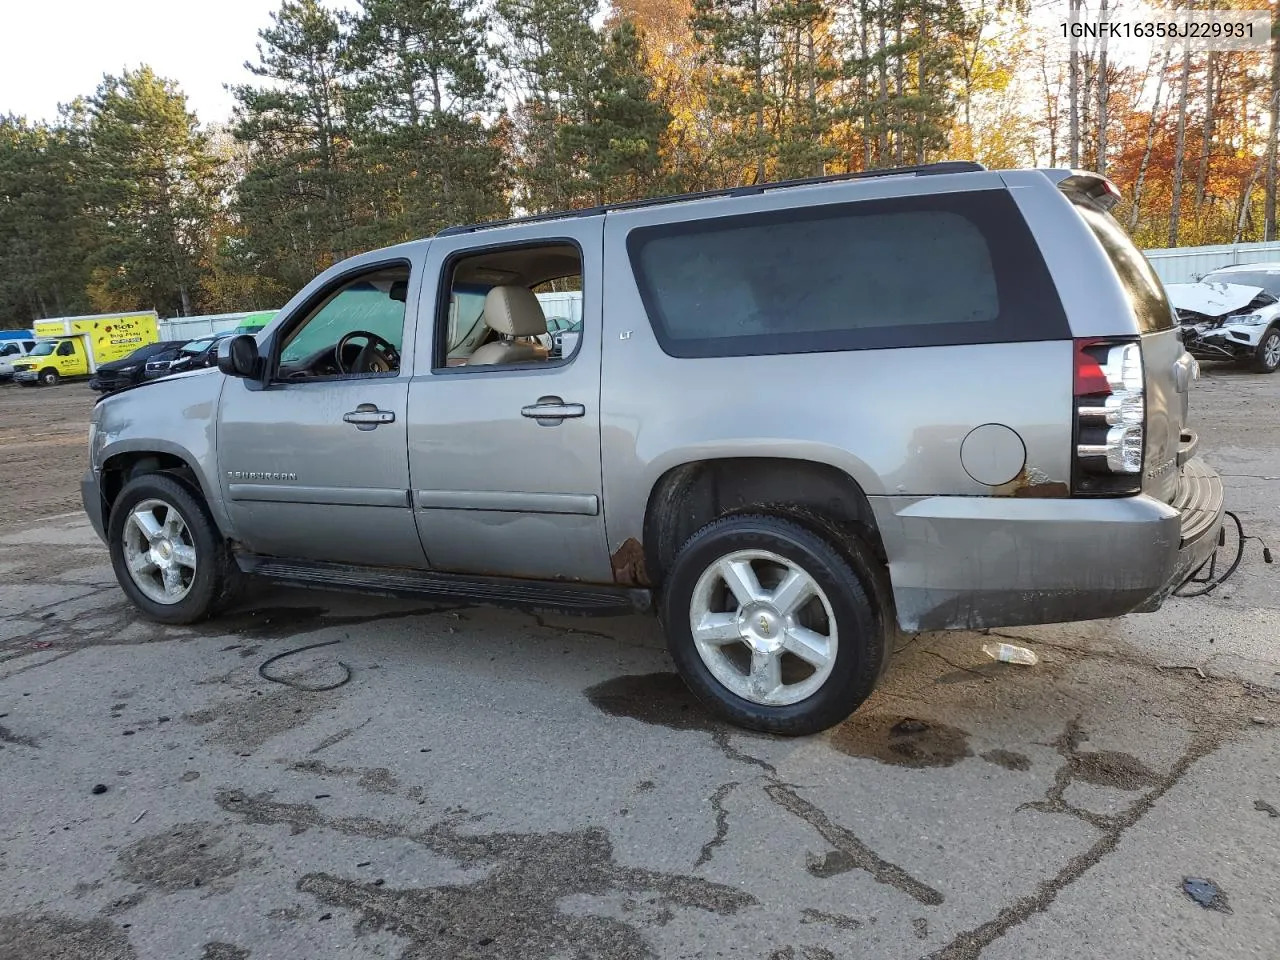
512,311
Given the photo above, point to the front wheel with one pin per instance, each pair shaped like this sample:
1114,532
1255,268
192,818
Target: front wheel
168,556
769,625
1267,357
49,377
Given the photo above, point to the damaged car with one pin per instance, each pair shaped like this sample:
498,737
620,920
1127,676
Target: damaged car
1232,313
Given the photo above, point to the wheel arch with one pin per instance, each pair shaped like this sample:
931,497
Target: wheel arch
120,466
687,497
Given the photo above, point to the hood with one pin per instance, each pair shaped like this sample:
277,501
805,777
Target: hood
1211,299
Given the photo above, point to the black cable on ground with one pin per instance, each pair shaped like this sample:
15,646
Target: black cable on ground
1212,580
262,669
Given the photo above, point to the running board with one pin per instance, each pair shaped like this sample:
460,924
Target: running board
538,595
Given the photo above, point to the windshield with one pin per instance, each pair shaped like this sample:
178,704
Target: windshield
1268,281
197,346
43,349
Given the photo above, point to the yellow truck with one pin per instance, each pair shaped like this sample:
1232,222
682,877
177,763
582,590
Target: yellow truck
70,347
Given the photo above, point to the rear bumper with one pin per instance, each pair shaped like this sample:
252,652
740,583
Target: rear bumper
972,562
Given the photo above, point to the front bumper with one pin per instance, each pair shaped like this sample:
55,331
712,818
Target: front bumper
91,497
1219,344
26,376
974,562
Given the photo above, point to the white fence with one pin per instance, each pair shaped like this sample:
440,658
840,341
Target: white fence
192,328
1186,264
566,305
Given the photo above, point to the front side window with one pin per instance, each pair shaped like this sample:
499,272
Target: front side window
357,329
66,348
911,271
8,350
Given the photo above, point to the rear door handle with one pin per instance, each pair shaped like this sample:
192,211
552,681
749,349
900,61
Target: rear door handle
549,411
367,416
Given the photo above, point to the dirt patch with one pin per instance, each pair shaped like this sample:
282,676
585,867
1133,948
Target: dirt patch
661,699
44,445
901,741
8,736
837,920
1110,768
51,937
189,855
374,779
247,724
513,912
218,950
1009,759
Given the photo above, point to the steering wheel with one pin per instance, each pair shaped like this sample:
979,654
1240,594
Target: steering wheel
377,356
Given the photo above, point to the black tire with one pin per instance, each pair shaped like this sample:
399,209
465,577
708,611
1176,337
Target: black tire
216,576
49,377
1267,357
863,638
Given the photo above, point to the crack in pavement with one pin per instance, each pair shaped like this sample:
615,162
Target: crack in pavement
856,854
513,911
969,944
1106,768
722,823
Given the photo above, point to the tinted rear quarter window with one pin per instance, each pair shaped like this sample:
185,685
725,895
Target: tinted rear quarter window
1146,293
944,269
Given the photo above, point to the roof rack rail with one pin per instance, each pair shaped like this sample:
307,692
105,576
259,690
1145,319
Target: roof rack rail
927,169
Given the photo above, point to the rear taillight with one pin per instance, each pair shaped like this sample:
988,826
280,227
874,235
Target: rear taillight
1111,415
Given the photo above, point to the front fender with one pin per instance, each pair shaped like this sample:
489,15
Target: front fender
176,418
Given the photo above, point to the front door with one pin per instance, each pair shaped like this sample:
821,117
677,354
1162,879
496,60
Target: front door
313,463
504,435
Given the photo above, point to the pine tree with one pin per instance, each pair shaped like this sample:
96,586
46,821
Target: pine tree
549,55
46,239
771,67
615,127
421,110
155,188
296,200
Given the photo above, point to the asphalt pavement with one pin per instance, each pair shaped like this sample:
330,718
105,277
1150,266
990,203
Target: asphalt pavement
487,783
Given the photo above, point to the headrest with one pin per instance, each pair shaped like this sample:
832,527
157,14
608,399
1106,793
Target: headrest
514,311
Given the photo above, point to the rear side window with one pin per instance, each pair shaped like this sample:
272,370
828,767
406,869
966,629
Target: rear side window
911,271
1145,291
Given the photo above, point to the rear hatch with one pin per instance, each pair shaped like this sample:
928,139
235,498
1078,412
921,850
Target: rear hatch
1167,368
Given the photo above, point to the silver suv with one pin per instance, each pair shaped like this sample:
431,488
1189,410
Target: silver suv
797,417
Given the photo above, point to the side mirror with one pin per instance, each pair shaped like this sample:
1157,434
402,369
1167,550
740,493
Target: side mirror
238,356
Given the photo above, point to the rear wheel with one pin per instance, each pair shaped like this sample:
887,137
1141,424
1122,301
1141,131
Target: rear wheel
168,556
49,377
770,626
1267,357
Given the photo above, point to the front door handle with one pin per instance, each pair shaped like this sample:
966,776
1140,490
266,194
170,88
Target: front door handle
549,411
367,416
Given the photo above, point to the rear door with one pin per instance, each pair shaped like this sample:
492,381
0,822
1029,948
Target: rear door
1167,368
499,488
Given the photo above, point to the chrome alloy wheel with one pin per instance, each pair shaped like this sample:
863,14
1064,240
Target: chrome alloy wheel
1271,349
763,627
159,551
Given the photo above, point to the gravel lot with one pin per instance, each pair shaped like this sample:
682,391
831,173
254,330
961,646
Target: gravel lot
494,784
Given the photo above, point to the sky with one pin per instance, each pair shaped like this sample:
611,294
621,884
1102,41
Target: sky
52,51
